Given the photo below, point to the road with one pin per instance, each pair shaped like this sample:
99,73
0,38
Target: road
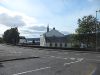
49,62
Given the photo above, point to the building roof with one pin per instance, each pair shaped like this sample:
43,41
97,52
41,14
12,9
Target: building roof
53,32
22,37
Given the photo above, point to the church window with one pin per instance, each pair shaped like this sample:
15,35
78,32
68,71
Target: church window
50,44
55,44
60,44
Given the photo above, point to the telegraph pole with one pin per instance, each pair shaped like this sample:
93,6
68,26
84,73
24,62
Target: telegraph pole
96,30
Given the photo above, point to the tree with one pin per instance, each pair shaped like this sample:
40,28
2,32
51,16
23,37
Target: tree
11,36
87,29
1,40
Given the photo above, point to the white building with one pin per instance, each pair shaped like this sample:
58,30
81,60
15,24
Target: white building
53,38
22,40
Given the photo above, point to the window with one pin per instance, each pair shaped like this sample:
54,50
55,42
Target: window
65,44
60,44
55,44
50,44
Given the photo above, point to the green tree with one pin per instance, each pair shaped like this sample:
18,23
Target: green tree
11,36
87,29
1,40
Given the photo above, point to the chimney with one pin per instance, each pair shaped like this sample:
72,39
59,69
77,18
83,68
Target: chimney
48,28
54,28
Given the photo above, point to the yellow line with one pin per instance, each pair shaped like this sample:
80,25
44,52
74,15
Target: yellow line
91,70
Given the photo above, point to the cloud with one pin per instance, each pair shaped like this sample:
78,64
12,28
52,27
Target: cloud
33,31
2,0
30,33
38,28
10,21
2,29
13,17
65,32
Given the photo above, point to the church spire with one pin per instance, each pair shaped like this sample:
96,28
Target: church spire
48,28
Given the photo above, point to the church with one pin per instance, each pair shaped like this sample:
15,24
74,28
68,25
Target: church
53,38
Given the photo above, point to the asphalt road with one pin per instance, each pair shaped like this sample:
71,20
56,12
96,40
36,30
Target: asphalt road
50,62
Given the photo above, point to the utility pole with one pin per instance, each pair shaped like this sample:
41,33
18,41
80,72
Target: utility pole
96,30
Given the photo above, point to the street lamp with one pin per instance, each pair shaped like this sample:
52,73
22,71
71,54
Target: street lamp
96,31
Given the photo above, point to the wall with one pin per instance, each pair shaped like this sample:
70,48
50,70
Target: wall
42,41
22,41
58,45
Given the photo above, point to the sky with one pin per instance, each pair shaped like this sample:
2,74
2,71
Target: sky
33,16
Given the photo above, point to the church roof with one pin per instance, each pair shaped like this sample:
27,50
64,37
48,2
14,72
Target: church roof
53,32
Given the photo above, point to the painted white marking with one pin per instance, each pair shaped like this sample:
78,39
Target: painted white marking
58,57
65,58
78,60
70,63
72,58
65,53
93,60
52,56
31,71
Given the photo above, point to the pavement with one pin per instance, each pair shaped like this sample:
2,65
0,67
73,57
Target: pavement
16,60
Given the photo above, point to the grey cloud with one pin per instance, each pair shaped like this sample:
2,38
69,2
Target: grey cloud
38,28
65,32
31,32
34,31
10,21
1,35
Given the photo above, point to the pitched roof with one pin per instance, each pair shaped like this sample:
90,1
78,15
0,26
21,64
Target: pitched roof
53,32
22,37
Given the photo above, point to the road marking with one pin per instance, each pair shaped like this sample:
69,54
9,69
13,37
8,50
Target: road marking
31,71
78,60
52,56
58,57
70,63
72,58
93,60
66,53
65,58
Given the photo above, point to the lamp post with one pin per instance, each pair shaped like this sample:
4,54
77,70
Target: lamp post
96,30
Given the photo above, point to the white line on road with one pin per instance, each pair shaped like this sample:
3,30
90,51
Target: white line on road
71,58
78,60
93,60
58,57
31,71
